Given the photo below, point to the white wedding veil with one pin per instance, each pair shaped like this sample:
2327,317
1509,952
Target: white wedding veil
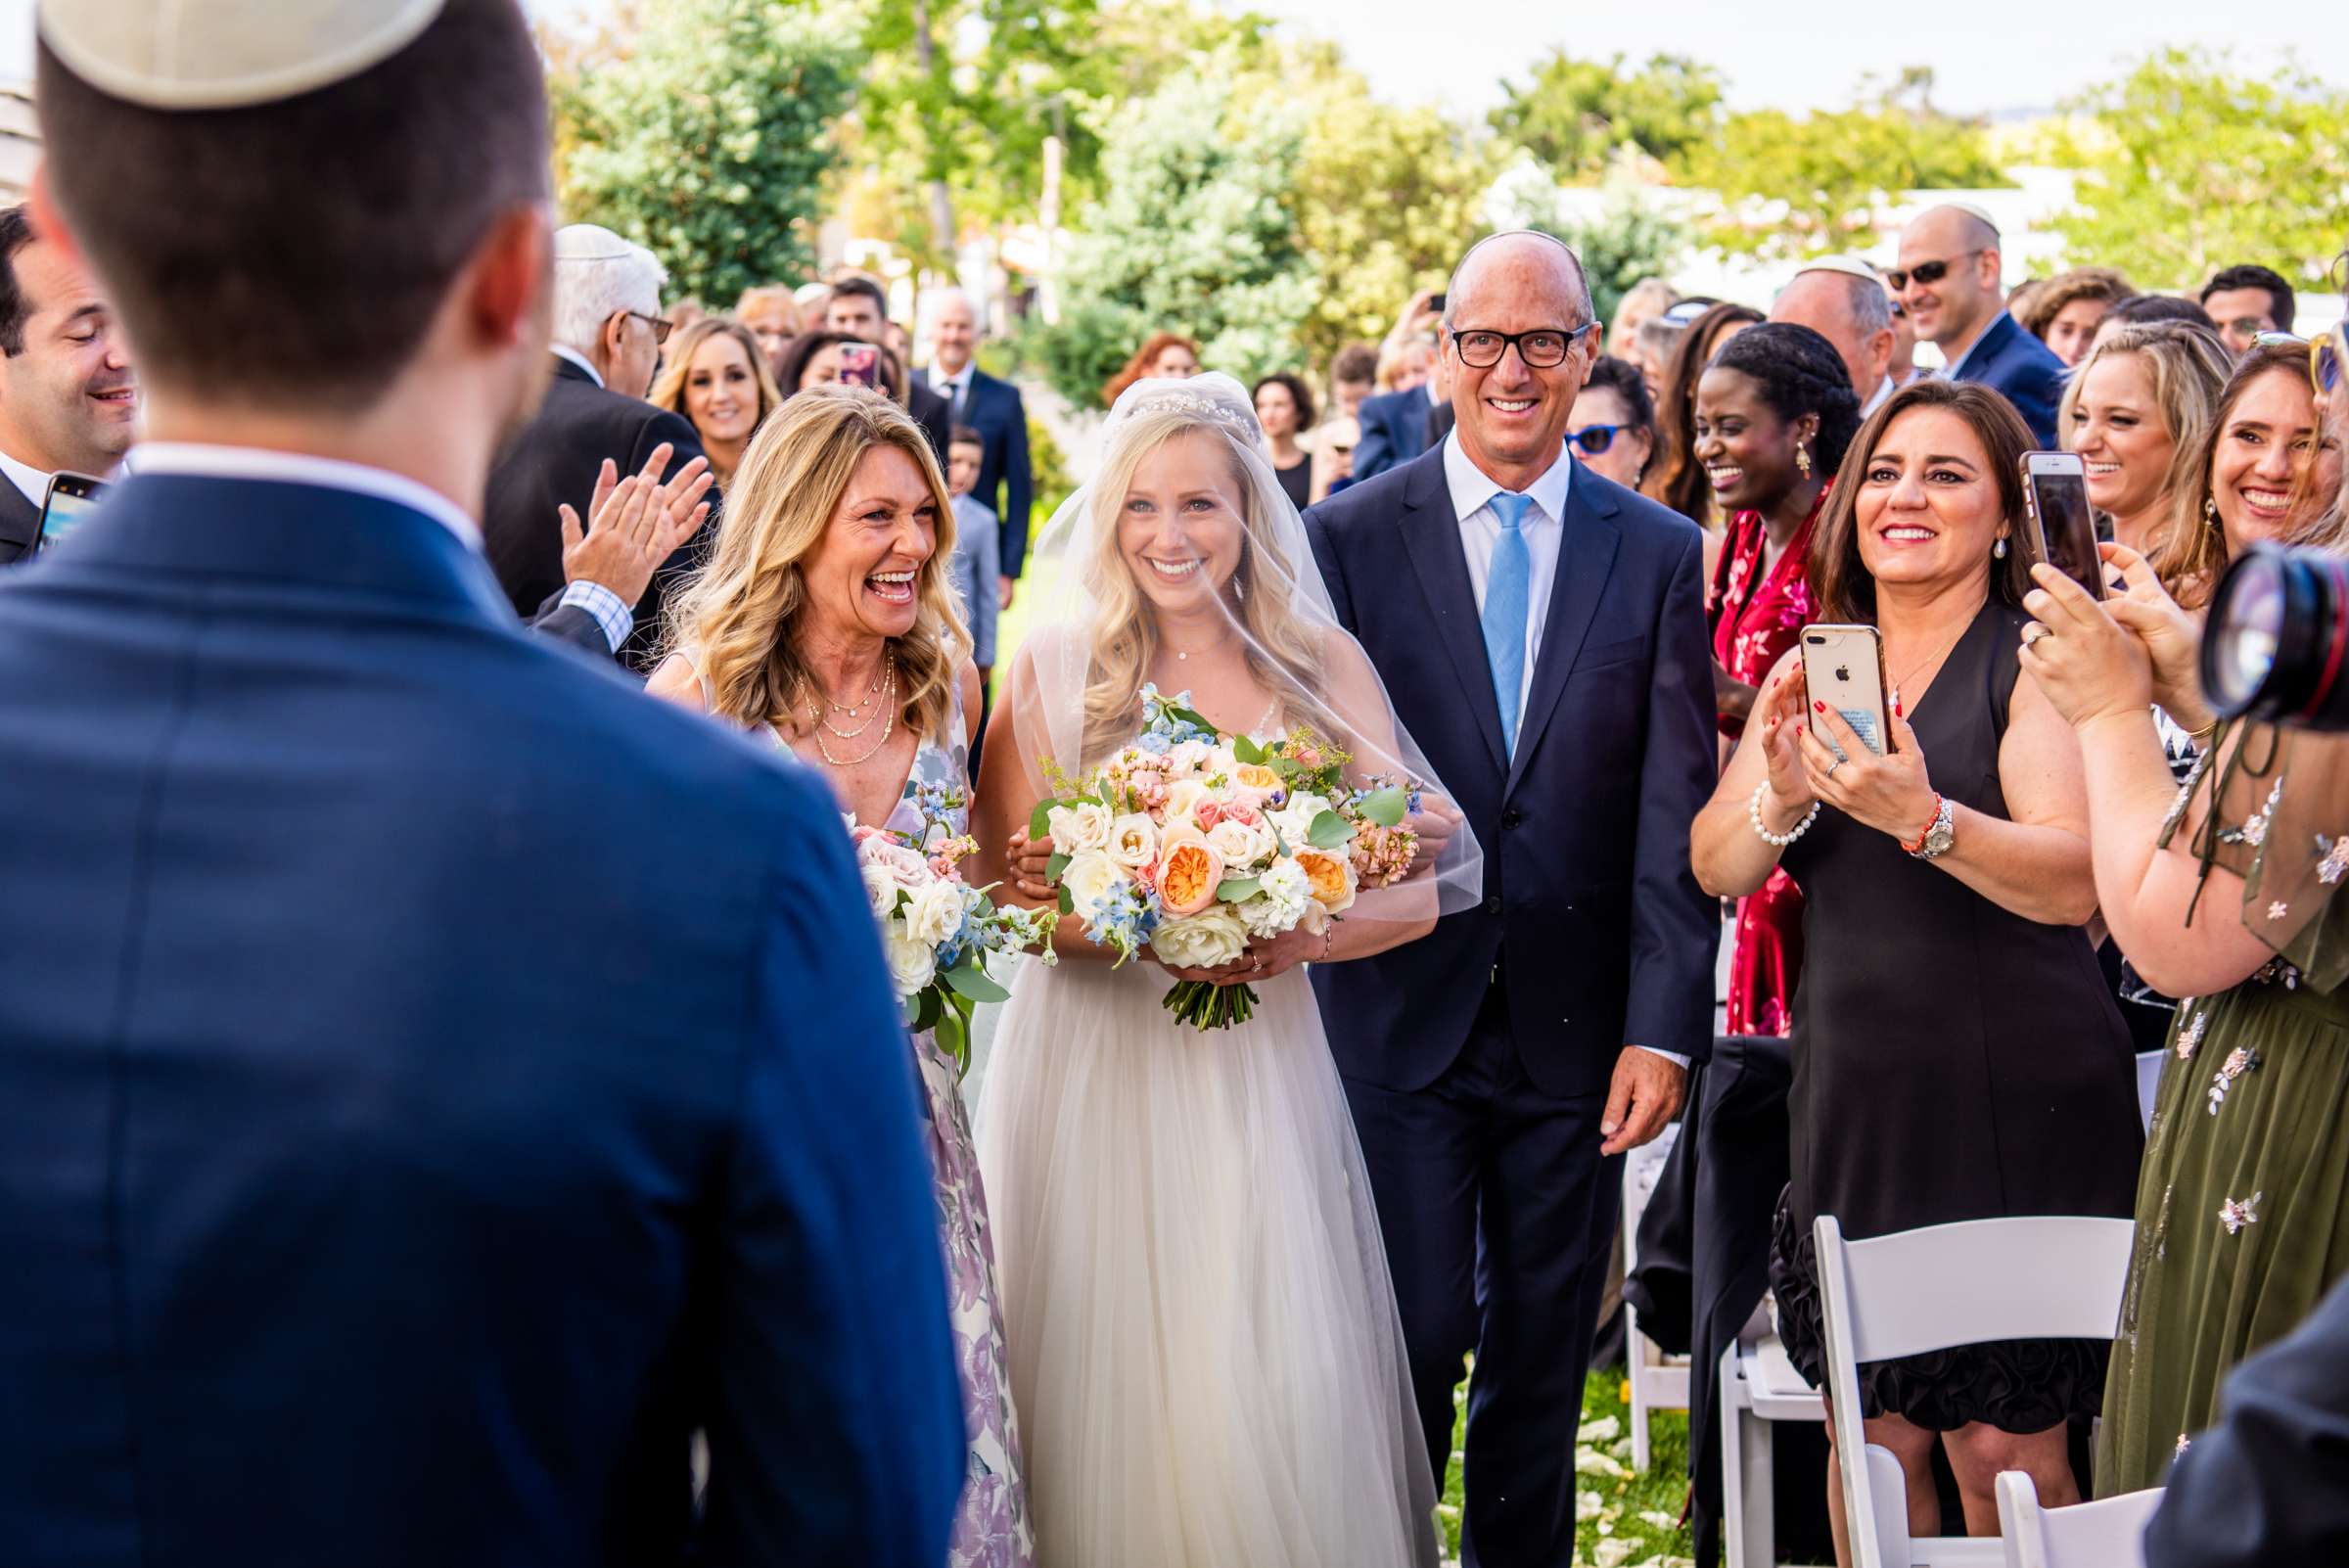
1075,692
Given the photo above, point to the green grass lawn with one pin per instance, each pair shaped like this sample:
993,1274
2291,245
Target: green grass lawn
1622,1519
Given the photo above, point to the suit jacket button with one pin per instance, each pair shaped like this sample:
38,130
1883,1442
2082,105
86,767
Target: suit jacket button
1511,817
1492,904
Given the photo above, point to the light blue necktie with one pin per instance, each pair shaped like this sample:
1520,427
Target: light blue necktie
1508,591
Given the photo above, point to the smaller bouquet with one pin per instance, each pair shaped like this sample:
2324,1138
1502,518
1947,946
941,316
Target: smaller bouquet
1192,843
937,929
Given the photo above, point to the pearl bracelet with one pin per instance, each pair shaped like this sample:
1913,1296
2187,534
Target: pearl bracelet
1753,814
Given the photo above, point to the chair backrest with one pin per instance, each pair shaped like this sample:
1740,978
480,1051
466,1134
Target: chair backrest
2148,1085
2030,1277
1642,1169
2110,1534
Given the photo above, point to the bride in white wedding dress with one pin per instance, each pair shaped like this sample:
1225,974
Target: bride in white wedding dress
1204,1346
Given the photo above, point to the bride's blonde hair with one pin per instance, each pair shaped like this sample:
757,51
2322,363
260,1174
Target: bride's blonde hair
1282,650
737,618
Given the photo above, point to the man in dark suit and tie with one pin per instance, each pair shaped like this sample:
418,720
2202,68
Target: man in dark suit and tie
1951,280
67,396
1397,427
994,409
608,329
435,1079
1542,633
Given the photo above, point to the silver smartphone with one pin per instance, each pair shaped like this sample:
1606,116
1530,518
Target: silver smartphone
1844,667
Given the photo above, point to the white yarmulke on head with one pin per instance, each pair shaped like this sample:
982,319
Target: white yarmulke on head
227,54
1851,266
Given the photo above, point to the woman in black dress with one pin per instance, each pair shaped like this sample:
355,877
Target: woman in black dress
1284,407
1956,1053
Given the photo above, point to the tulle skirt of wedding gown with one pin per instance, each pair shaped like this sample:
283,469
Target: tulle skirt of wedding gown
1204,1351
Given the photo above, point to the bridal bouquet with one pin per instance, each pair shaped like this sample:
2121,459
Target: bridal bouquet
1193,842
935,928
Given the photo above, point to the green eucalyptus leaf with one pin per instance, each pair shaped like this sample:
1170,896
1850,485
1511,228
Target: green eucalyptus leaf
967,978
1386,806
1039,820
1055,867
1248,751
1236,890
1328,831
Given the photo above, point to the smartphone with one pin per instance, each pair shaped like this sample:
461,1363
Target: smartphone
859,365
2063,526
1844,667
1435,302
71,498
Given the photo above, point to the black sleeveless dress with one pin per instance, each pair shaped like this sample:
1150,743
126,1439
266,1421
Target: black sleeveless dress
1952,1061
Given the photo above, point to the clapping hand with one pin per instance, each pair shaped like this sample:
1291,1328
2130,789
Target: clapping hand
635,524
1779,713
1891,792
2088,666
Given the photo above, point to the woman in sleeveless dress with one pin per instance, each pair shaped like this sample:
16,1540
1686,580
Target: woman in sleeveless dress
1204,1344
824,623
1956,1053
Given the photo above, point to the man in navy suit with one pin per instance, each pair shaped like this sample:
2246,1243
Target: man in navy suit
1397,427
994,409
435,1079
1951,279
1541,632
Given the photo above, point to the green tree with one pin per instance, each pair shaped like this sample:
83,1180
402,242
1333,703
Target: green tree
1635,233
2189,167
1193,233
709,144
1800,187
1573,114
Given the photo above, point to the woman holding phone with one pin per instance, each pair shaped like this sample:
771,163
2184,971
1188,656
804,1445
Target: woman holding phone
1957,1053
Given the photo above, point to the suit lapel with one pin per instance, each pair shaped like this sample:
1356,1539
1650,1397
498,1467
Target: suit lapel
1586,559
1431,537
19,520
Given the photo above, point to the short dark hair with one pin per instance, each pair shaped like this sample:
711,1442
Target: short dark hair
1299,394
227,283
1799,373
1841,585
2286,305
2142,309
16,233
1621,378
1354,363
859,286
965,436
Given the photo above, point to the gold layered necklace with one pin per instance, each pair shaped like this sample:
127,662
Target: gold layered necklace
879,702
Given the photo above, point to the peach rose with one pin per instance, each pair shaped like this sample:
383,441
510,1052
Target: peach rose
1259,782
1332,877
1190,870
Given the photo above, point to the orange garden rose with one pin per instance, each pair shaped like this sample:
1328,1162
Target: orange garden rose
1188,872
1259,781
1332,877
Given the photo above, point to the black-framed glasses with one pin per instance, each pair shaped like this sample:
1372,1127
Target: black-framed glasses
1928,273
1593,441
661,326
1543,348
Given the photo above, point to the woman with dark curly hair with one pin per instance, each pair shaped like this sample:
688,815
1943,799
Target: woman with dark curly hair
1675,476
1775,413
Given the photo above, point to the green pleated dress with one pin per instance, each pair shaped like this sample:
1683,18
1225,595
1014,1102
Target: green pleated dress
2242,1205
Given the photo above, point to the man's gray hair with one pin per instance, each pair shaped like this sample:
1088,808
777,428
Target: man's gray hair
1872,307
597,275
1581,283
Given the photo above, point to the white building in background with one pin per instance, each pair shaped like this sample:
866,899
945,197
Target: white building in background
20,141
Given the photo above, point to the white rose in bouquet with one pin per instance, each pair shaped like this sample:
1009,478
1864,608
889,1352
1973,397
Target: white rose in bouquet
1296,819
1080,827
1241,844
912,964
1184,797
1280,904
881,888
1208,940
1092,877
934,914
1133,841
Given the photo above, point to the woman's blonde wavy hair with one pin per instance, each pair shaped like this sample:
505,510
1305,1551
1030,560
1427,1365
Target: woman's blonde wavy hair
669,391
1283,652
2188,366
738,620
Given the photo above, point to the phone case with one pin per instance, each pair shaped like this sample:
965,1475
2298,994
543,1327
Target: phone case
2037,548
1844,667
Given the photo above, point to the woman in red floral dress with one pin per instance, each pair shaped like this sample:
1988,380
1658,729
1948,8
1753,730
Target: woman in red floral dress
1775,413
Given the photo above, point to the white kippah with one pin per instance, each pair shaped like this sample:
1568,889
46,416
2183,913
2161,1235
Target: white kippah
226,54
1849,265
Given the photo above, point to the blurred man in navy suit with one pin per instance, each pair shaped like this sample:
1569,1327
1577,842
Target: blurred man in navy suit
994,409
435,1079
1951,279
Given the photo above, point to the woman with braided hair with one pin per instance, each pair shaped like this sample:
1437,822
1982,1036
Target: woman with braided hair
1775,413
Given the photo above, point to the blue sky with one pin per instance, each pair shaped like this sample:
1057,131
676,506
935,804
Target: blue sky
2015,57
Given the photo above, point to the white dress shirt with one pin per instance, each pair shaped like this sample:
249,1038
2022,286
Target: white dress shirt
579,359
1544,529
24,477
956,389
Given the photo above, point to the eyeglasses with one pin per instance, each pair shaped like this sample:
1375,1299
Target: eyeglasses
1543,348
1900,311
1593,439
660,325
1927,273
2324,356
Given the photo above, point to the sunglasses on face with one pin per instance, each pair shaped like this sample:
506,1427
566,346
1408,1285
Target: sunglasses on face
1593,441
1927,273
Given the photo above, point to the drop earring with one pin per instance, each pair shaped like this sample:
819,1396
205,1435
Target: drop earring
1802,460
2210,510
1997,551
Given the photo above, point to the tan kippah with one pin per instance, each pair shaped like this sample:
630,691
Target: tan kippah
226,54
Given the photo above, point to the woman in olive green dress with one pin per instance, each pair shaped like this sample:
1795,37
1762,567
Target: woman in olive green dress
2220,892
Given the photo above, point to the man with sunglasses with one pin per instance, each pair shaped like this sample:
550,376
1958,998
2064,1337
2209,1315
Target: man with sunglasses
607,334
1951,279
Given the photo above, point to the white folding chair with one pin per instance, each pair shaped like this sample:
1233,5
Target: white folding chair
2029,1277
1659,1382
2148,1085
2110,1534
1759,1385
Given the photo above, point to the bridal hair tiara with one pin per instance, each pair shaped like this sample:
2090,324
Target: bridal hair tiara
1169,397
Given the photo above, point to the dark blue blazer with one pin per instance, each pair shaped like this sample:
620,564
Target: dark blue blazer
435,1079
2011,362
1006,486
1590,909
1394,431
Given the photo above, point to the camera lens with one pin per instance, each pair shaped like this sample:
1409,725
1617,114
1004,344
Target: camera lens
2276,639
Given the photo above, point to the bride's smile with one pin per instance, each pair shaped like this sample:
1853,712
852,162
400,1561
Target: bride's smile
1180,528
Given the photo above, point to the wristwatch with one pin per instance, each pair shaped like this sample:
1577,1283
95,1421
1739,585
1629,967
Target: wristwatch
1938,834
